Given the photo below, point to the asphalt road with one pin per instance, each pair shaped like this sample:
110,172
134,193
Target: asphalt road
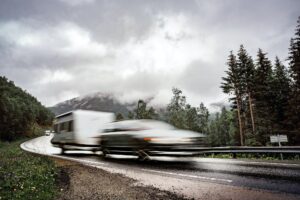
199,178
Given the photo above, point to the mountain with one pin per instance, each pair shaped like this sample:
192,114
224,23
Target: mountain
98,101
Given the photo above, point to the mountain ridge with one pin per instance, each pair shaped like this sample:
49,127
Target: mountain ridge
99,101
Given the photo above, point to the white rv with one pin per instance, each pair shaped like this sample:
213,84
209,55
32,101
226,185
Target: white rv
79,129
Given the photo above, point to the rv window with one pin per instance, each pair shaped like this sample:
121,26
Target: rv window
70,126
55,128
63,127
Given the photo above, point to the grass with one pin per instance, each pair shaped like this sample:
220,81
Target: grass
25,176
266,156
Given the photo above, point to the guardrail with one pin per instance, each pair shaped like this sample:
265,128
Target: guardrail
247,149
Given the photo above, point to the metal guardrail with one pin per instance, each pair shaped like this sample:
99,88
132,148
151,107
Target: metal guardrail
247,149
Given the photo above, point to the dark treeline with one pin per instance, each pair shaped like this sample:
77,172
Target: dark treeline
20,113
265,96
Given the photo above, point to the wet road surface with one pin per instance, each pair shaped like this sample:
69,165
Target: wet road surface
191,176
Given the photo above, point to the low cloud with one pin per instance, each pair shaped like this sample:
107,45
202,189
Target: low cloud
136,49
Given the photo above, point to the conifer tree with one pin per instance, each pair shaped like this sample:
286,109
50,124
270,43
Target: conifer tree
224,127
142,112
246,66
130,115
294,103
263,96
191,118
221,128
203,116
232,85
176,109
281,90
213,136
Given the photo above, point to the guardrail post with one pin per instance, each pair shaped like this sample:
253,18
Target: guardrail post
234,155
281,156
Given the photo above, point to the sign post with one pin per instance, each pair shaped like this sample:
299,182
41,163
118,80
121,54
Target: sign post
278,139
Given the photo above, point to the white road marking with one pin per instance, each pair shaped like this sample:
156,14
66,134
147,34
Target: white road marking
225,161
189,176
25,147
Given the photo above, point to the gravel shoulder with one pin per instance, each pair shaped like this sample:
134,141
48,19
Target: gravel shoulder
77,181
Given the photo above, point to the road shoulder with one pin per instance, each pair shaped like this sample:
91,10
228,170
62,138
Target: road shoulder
77,181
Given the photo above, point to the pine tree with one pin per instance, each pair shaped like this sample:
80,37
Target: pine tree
222,129
176,114
246,66
232,85
203,116
191,118
142,112
294,103
263,96
130,115
213,136
281,90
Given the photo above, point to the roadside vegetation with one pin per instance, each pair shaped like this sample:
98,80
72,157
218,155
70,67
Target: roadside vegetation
21,114
254,156
24,176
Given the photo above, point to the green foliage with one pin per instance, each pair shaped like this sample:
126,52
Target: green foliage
260,97
119,117
265,99
19,111
176,114
142,112
222,131
280,87
191,118
266,156
233,85
184,116
293,113
23,176
263,96
130,115
203,115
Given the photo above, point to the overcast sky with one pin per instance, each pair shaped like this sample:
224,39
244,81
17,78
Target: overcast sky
60,49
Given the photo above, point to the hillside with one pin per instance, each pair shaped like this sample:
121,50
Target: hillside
21,113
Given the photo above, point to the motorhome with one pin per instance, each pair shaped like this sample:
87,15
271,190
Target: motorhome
79,129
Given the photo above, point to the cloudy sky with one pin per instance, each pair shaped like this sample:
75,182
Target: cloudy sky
60,49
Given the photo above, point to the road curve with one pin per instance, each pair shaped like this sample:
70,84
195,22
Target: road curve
199,178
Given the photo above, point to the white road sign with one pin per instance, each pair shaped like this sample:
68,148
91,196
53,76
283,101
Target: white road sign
278,138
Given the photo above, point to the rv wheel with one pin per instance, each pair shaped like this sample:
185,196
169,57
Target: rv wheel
62,149
143,156
104,149
104,153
